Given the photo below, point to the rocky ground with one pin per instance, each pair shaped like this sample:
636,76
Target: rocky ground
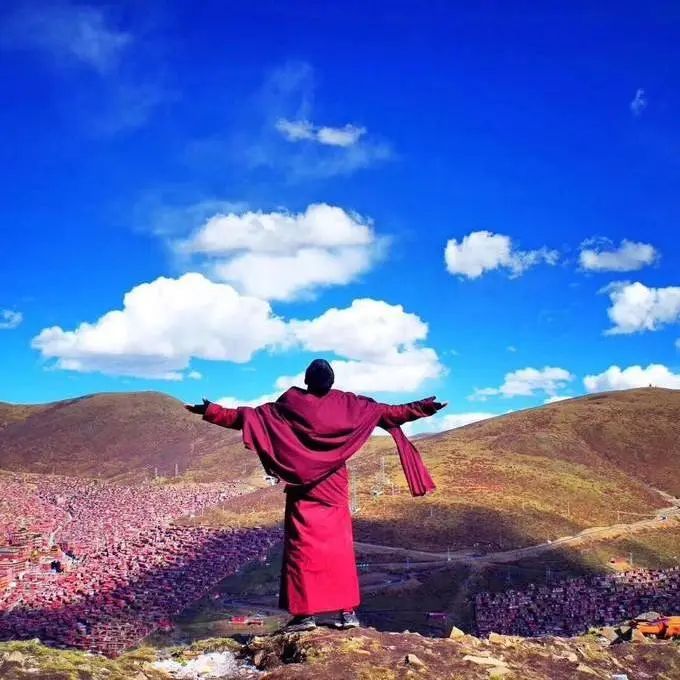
364,654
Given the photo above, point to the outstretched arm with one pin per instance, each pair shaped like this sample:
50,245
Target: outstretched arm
398,414
218,415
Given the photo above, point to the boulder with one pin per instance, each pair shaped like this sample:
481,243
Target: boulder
637,636
610,634
413,660
457,633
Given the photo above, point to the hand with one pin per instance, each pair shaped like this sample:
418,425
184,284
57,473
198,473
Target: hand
431,404
198,409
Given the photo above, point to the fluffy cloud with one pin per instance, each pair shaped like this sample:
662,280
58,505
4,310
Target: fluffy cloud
639,103
615,378
366,330
482,251
161,326
525,382
298,130
379,344
629,256
635,307
10,319
281,255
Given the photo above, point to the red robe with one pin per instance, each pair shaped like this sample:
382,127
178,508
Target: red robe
305,441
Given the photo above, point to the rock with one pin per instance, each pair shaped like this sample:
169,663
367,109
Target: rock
609,634
503,640
499,672
624,630
457,633
413,660
637,636
258,658
582,668
484,660
648,616
15,657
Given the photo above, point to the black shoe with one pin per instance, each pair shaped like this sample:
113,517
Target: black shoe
299,624
347,620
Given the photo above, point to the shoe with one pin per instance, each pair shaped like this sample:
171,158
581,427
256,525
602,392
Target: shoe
347,620
299,624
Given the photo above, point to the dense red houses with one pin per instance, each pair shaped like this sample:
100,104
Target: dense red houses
99,566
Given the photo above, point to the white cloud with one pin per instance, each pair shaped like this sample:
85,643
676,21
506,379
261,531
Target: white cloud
194,375
615,378
161,326
525,382
511,348
440,423
299,130
555,398
635,307
366,330
281,255
10,319
233,402
379,343
677,343
79,33
277,132
629,256
482,251
639,103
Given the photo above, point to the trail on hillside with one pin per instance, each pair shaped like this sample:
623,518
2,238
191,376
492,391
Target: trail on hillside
425,559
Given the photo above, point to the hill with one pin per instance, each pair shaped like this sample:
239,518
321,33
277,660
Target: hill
121,436
529,476
516,480
15,413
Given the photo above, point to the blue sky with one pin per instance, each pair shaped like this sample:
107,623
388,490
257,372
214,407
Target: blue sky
478,202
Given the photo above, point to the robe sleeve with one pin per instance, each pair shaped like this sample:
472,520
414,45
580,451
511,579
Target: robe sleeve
398,414
226,417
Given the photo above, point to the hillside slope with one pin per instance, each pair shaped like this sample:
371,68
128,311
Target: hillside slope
123,436
529,476
515,480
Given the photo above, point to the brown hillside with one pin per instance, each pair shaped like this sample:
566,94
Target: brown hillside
13,413
635,431
529,476
121,436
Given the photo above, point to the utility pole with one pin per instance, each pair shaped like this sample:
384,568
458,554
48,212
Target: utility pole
176,469
630,559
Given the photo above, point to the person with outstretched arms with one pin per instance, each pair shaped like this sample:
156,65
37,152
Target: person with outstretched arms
304,439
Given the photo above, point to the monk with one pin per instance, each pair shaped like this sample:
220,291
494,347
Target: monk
305,439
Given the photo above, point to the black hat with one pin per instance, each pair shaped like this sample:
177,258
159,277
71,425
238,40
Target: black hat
319,376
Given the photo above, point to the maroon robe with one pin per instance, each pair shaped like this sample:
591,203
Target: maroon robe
305,441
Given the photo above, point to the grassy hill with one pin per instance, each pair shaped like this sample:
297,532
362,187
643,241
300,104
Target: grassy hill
515,480
529,476
518,479
122,436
